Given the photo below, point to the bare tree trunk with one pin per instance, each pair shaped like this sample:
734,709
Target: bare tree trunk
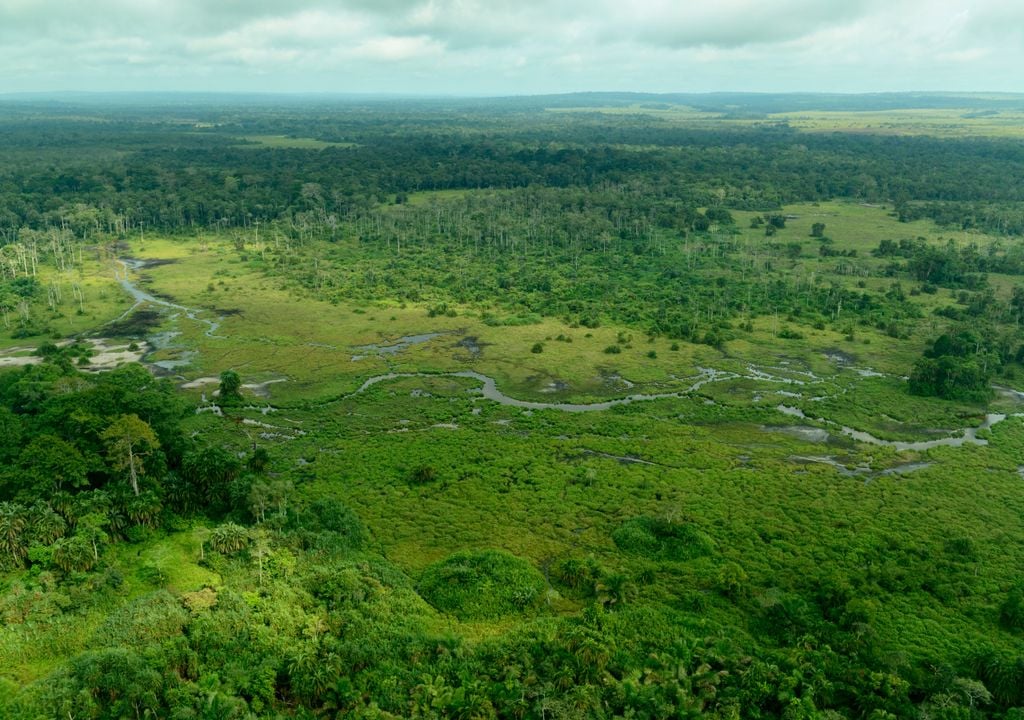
132,472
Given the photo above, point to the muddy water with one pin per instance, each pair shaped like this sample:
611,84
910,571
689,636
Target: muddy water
141,297
967,435
397,346
489,390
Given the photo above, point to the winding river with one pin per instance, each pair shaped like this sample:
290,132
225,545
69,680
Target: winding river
489,388
967,436
141,297
490,391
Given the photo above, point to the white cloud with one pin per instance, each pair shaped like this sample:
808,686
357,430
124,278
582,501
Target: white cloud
509,46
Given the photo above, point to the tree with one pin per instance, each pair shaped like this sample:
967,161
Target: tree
46,525
208,473
12,532
958,366
10,435
53,464
74,554
259,460
91,528
129,440
265,494
818,230
229,538
230,384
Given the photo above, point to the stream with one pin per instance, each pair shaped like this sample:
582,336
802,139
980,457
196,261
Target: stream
967,435
490,391
141,297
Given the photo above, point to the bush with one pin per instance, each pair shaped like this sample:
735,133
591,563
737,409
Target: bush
481,584
662,539
230,386
423,475
229,539
330,524
150,619
1011,613
537,348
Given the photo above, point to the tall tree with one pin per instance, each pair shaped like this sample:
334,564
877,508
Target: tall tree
129,440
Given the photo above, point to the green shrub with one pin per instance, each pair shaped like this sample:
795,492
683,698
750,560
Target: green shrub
662,539
329,524
423,475
229,538
1011,613
150,619
481,584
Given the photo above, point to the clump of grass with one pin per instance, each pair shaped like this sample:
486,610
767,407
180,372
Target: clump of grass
662,539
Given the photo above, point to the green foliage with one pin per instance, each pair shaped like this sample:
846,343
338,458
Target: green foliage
74,554
482,584
129,440
229,539
148,620
329,524
662,539
206,478
13,538
51,464
957,366
423,475
105,684
1011,612
230,386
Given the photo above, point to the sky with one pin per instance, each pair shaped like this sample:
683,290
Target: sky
511,47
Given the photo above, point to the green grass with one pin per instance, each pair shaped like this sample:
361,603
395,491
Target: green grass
952,123
945,122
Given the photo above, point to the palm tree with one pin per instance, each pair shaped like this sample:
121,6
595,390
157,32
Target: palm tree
74,554
12,532
229,538
47,526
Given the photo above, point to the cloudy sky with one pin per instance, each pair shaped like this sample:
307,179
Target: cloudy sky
502,47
